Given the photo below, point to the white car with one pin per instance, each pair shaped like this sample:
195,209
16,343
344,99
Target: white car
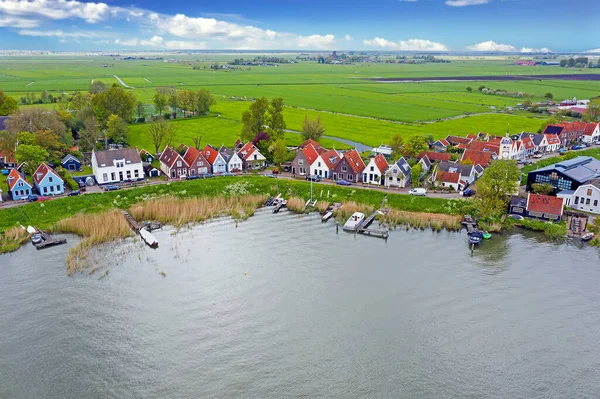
538,156
418,191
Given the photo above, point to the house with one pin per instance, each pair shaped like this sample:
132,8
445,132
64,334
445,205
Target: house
553,142
384,150
217,163
350,167
441,145
71,163
568,132
566,175
467,172
172,164
146,156
307,142
238,145
492,146
457,141
398,174
591,133
475,158
196,163
7,160
374,173
325,163
537,206
234,162
304,159
252,157
150,170
434,156
584,198
114,166
425,165
18,187
47,181
449,180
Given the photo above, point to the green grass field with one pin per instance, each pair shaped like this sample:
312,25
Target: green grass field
350,106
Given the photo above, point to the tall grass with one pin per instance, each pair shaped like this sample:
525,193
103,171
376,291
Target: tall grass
422,220
12,239
348,208
95,229
296,205
178,212
322,206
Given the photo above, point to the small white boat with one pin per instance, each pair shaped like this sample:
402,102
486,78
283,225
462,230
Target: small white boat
148,238
328,215
31,230
36,239
587,236
354,222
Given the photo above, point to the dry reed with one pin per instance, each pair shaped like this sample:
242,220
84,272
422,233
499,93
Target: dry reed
421,220
348,208
12,239
322,206
297,205
95,229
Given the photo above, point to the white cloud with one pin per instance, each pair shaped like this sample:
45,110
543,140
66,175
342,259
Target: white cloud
594,51
316,41
492,46
535,50
407,45
15,22
348,37
465,3
57,33
159,42
57,9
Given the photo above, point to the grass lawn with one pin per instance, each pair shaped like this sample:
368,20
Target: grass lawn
86,170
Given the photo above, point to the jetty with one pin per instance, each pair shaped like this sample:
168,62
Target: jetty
470,224
278,203
330,210
364,227
142,230
49,241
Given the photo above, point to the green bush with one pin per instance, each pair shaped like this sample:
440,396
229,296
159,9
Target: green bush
72,184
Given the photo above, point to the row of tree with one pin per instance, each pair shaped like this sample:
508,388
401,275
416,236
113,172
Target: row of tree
189,101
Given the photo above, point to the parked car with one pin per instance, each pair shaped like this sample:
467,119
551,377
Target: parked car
313,178
343,183
521,162
418,191
206,176
578,147
562,150
194,177
468,193
5,172
227,174
538,156
74,193
516,217
271,175
33,198
43,198
111,187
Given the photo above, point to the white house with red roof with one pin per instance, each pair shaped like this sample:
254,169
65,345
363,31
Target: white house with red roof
47,181
172,164
215,159
18,187
374,173
324,163
591,133
252,157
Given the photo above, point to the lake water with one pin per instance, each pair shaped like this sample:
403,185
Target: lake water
282,307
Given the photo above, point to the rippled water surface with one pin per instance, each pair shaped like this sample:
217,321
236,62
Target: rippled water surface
281,306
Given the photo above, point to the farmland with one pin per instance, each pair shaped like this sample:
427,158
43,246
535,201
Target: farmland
350,106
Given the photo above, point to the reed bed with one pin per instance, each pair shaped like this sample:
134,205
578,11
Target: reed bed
296,205
178,212
492,227
95,229
12,239
422,221
322,206
348,208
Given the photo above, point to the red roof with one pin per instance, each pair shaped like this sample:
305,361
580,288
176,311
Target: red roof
483,146
10,158
472,136
482,158
448,177
355,161
211,154
552,139
310,153
309,141
528,142
331,158
435,156
458,140
247,150
444,142
169,156
545,204
13,177
589,128
190,156
42,171
381,163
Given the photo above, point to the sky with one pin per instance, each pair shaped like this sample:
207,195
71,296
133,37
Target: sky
381,25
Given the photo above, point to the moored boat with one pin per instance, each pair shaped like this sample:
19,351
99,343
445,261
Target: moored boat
36,239
327,216
587,236
354,222
486,235
475,237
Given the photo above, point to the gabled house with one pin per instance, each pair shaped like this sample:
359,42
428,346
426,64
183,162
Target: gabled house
215,159
113,166
325,163
448,180
374,172
398,174
567,132
146,156
195,162
18,187
466,172
536,206
303,160
150,170
553,142
475,158
238,145
349,168
425,165
71,163
584,198
47,181
172,164
234,162
251,156
591,133
441,145
7,159
458,141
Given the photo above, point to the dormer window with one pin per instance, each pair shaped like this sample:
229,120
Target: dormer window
179,164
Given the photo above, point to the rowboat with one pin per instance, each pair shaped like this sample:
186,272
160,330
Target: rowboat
475,237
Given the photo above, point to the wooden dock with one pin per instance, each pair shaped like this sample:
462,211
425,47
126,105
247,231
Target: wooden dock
142,230
470,224
49,241
364,229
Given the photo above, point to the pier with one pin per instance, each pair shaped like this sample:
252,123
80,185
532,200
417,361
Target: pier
49,241
470,224
144,230
364,229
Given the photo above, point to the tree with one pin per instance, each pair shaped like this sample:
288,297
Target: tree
172,100
35,119
480,88
563,63
571,62
253,119
50,142
116,129
186,100
8,141
549,96
160,102
97,86
499,181
114,101
397,145
161,133
279,151
141,112
527,104
44,96
8,105
593,110
416,145
26,138
204,100
542,188
275,119
416,172
33,155
469,89
90,134
197,140
312,128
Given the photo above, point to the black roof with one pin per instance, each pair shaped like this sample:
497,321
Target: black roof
551,129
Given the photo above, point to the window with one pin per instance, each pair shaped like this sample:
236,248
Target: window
344,169
199,163
589,192
45,190
595,202
51,189
129,174
319,164
587,201
50,180
136,173
113,176
179,164
104,177
576,200
58,189
300,162
349,177
372,168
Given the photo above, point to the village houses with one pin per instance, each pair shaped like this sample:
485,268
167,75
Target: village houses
47,181
114,166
